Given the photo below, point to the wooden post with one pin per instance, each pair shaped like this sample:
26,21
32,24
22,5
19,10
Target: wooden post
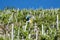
43,13
18,32
26,25
12,32
36,30
57,23
36,34
11,18
29,36
22,38
42,30
53,24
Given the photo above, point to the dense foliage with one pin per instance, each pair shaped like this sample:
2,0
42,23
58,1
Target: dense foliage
45,17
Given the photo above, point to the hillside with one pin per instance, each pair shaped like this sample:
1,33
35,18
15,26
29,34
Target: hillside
44,26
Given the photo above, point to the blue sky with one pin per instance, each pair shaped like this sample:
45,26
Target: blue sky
30,4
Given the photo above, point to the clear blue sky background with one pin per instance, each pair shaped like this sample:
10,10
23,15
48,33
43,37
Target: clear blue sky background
30,4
